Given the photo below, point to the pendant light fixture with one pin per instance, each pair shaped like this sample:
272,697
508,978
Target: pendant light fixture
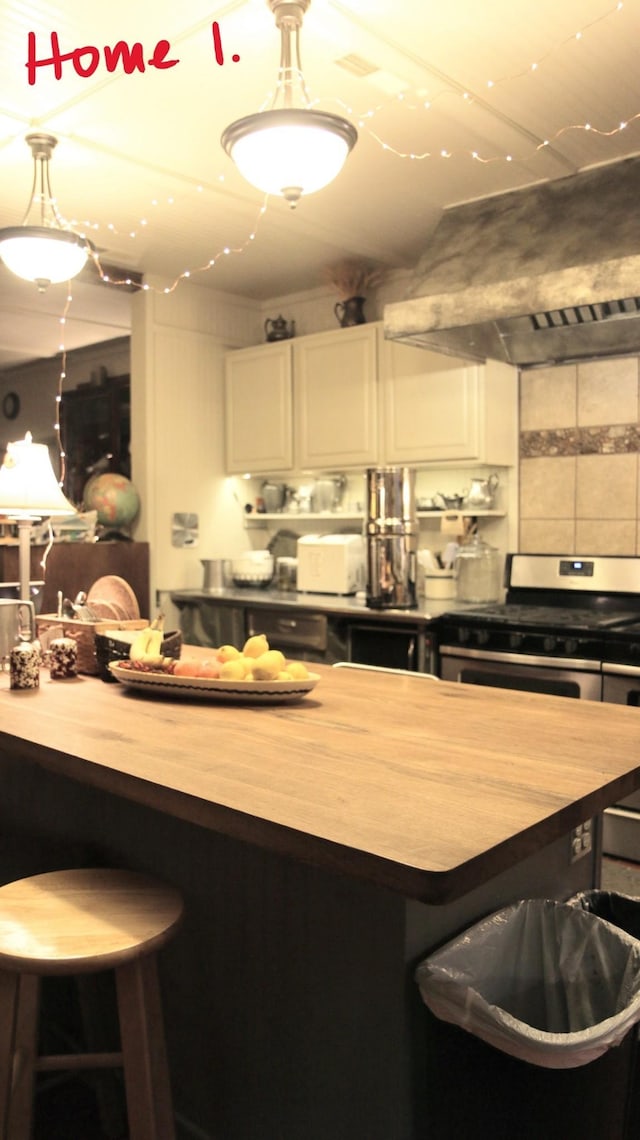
289,149
43,249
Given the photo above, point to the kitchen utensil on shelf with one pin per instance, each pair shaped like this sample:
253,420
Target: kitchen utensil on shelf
451,502
481,493
477,568
274,495
327,492
303,498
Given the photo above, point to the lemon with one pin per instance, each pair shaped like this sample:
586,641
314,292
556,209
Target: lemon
255,646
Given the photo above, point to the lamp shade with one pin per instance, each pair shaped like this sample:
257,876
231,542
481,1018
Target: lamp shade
291,151
43,255
28,485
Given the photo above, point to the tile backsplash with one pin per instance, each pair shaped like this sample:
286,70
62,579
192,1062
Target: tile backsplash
579,458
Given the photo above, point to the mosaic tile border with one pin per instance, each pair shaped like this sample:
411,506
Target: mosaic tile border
616,439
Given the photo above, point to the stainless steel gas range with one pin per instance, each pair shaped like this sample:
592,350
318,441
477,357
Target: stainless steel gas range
569,627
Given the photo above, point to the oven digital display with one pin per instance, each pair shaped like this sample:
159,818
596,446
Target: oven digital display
576,567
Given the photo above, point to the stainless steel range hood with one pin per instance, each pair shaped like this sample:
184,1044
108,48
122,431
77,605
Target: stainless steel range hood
535,276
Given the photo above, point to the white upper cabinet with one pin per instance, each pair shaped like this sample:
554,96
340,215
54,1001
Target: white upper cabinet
258,409
348,398
439,408
335,384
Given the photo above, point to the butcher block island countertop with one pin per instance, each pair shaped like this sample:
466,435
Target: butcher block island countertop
425,787
323,848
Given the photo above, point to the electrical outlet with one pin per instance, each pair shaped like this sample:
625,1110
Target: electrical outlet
581,841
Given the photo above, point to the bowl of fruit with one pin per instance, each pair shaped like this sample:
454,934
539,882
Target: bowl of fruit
254,672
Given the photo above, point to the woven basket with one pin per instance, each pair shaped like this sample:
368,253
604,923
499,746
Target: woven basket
83,633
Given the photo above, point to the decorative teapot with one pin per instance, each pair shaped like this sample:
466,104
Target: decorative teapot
481,493
279,329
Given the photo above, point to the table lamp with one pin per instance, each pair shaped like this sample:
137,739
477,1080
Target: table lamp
29,490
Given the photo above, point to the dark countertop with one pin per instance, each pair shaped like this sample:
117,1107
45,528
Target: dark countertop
352,605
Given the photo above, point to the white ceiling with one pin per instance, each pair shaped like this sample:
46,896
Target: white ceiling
140,154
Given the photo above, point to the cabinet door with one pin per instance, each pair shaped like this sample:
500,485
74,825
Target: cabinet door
258,410
432,405
335,389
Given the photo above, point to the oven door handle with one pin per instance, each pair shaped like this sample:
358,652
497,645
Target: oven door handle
611,669
521,658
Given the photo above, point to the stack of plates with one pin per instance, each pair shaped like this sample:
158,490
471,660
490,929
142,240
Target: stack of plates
112,598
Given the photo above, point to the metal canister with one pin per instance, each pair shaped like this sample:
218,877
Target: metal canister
392,538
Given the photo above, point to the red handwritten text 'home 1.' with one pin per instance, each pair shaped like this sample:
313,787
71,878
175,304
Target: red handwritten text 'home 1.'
130,57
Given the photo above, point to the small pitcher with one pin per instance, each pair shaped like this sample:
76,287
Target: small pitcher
481,493
351,311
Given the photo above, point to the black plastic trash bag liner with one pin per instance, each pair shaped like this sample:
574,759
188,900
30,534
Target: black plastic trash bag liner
547,982
622,910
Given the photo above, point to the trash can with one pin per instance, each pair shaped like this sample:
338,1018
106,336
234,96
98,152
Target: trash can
532,1027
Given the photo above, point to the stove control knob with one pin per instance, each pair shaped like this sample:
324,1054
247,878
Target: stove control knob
463,634
482,636
515,640
550,643
571,646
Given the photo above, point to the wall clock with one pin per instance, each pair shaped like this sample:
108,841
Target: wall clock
11,405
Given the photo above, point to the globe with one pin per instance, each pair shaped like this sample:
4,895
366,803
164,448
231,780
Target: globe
114,497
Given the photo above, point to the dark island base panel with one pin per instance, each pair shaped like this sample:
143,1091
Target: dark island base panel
290,1006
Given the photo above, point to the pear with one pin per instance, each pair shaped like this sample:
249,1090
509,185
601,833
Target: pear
255,646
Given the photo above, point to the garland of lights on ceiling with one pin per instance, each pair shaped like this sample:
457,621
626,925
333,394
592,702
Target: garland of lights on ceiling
414,103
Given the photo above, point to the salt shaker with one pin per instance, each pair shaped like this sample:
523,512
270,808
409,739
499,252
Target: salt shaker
24,666
63,658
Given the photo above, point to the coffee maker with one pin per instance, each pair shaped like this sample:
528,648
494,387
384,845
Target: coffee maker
392,538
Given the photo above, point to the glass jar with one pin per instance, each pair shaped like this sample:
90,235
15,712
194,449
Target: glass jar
478,571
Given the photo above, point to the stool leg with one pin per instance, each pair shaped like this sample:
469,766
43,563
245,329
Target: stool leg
19,1006
146,1071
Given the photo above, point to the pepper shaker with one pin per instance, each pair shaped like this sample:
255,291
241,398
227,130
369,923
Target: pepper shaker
63,658
24,666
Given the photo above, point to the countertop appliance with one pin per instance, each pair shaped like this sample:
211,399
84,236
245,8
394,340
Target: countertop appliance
569,626
392,538
331,563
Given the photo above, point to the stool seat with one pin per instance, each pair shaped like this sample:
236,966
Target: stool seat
82,921
76,922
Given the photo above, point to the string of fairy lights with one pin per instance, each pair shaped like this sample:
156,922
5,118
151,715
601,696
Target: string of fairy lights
414,102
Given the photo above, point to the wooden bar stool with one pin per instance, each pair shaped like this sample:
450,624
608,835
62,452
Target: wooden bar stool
79,922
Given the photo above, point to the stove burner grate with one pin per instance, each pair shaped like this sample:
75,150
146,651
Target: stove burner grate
551,617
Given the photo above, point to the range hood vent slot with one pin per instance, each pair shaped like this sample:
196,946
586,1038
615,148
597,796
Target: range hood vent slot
586,314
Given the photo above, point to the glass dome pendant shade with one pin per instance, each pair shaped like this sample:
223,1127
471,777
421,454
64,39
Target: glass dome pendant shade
289,150
48,252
